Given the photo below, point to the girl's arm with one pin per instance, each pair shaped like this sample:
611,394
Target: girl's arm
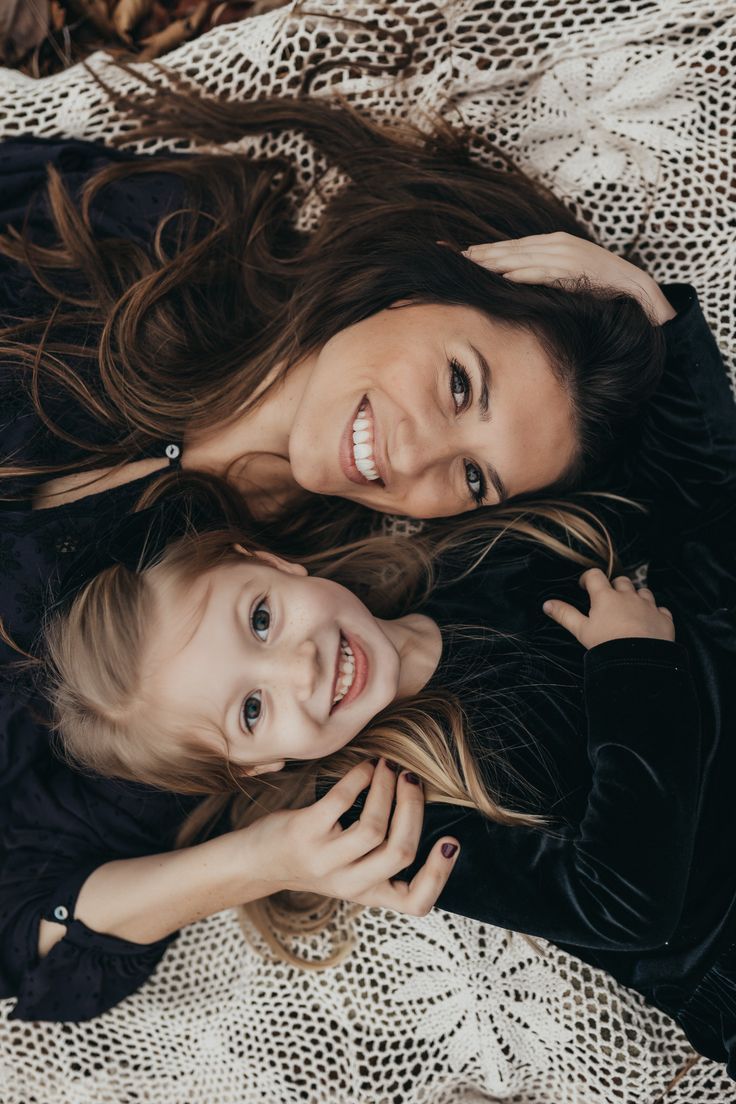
98,943
616,880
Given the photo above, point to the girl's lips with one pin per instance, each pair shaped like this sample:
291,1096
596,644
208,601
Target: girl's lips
361,672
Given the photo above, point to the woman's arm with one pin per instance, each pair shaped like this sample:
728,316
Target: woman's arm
617,879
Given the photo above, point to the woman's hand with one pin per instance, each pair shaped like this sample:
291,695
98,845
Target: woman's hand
309,850
562,258
617,610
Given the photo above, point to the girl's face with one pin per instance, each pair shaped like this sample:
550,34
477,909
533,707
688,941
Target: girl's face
429,411
285,665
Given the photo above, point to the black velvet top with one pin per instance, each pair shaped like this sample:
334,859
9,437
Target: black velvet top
629,749
58,826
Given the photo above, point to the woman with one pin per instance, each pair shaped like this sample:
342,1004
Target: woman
608,833
104,386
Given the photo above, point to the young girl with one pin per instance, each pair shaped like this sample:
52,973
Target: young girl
589,791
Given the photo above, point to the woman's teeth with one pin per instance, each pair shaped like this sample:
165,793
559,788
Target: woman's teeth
347,671
363,444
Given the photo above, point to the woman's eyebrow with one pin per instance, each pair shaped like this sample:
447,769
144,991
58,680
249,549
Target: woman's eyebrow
486,380
485,383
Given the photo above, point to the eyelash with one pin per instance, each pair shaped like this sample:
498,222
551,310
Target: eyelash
261,603
457,370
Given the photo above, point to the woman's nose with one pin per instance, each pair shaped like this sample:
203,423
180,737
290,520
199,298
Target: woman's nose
303,670
418,447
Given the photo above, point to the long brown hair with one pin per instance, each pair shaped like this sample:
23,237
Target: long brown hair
157,338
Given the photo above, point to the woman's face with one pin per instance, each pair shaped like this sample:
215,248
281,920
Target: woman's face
429,411
286,665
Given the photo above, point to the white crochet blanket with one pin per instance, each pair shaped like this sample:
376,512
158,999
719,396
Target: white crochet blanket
626,109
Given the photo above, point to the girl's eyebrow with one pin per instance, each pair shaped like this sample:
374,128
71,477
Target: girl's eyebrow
240,631
486,382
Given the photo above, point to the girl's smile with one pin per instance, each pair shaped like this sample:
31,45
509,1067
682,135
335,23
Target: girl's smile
277,664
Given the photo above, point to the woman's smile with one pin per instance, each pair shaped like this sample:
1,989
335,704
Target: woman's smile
427,410
359,453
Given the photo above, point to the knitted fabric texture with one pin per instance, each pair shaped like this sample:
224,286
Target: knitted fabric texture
626,111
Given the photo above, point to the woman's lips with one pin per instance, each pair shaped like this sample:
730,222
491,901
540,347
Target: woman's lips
361,672
346,456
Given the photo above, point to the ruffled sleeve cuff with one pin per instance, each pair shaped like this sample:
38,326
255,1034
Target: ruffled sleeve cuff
84,975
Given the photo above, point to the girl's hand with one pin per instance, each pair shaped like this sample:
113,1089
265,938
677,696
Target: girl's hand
562,258
309,850
617,610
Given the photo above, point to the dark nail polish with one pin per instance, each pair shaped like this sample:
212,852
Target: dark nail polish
448,849
412,778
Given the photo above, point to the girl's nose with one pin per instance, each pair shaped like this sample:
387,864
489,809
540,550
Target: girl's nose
303,670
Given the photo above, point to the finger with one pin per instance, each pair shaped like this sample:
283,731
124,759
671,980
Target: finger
344,793
623,584
646,594
566,616
371,828
399,848
541,274
666,612
594,581
546,242
418,896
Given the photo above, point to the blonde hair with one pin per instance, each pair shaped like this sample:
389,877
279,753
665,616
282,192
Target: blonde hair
103,721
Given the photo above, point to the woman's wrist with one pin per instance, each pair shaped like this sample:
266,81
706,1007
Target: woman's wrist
662,309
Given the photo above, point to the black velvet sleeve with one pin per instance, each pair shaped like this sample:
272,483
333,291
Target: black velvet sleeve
618,879
59,827
685,466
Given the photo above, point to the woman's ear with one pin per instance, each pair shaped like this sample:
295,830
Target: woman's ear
264,768
272,560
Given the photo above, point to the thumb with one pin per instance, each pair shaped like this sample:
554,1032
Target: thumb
566,615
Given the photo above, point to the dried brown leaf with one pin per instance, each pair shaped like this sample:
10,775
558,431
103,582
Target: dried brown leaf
97,12
127,14
24,25
181,30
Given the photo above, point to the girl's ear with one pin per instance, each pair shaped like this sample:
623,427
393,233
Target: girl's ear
274,561
264,768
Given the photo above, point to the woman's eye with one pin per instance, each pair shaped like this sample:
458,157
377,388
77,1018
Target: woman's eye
260,619
459,385
251,711
475,481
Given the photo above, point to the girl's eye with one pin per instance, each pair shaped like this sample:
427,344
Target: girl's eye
260,619
459,385
252,710
476,482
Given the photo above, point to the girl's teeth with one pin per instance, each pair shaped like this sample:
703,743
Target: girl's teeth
361,437
347,672
362,452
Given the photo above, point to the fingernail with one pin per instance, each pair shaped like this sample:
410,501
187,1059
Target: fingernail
412,778
547,607
448,850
